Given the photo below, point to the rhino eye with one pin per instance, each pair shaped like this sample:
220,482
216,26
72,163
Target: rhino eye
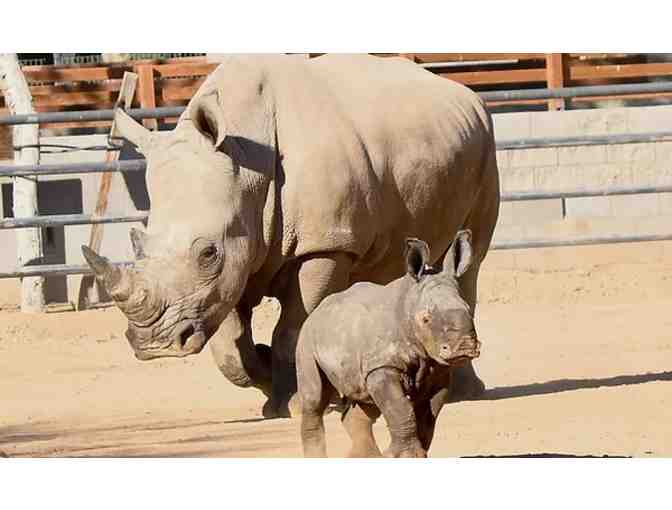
207,256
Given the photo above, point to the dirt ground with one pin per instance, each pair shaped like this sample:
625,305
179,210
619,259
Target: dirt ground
577,362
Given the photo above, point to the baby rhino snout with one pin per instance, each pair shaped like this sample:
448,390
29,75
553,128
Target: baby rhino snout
465,347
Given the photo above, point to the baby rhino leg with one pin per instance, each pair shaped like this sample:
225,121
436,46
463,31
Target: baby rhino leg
314,392
386,389
358,421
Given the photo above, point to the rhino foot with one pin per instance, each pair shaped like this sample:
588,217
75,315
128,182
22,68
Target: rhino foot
286,408
411,451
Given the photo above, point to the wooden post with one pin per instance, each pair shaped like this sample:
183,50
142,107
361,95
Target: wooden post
88,294
146,92
557,74
29,240
6,143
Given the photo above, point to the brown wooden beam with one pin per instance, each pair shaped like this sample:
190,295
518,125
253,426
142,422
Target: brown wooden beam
146,92
557,71
619,71
497,77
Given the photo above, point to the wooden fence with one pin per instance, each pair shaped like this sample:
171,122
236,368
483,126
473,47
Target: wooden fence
173,82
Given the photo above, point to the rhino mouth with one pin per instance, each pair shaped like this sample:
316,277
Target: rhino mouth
189,339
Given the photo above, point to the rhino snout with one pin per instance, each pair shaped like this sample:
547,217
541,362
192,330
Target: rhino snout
187,338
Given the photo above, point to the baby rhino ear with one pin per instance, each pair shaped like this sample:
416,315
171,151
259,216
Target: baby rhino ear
458,258
417,257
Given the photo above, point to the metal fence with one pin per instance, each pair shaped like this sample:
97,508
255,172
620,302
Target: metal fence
97,58
139,165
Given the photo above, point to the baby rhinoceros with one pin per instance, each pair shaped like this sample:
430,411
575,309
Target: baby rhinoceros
387,349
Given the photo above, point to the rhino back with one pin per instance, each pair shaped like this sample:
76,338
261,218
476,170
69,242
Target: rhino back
374,150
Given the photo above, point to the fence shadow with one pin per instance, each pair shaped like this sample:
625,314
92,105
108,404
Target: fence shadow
562,385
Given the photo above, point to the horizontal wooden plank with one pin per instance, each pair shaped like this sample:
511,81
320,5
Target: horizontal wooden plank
46,73
189,69
467,57
65,88
619,71
601,56
497,77
106,105
92,98
74,125
180,92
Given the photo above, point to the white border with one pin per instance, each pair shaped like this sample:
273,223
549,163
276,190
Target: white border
334,26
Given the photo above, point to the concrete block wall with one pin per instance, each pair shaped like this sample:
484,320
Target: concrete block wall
555,169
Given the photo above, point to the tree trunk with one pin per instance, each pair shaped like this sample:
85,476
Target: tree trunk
18,99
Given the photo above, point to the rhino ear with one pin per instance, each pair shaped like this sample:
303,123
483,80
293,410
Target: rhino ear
133,131
417,257
458,258
206,113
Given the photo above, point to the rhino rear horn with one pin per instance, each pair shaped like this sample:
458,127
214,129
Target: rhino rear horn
139,242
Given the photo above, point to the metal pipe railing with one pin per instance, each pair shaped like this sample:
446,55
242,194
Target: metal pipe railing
64,269
53,270
523,143
131,165
91,115
517,196
513,196
578,141
494,96
59,220
579,241
571,92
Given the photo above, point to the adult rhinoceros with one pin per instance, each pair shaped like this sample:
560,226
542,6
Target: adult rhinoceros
295,178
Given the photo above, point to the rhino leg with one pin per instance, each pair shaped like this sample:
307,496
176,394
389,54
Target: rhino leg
241,362
385,387
309,281
358,421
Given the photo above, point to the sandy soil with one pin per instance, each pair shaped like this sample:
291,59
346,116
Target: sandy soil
577,362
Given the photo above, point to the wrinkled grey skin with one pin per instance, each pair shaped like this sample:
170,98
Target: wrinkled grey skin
387,349
296,178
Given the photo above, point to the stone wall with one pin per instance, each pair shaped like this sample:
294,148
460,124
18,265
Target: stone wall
554,169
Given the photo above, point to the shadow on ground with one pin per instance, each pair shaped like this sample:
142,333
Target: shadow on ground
562,385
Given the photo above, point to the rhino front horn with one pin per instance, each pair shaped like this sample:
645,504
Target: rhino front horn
111,276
